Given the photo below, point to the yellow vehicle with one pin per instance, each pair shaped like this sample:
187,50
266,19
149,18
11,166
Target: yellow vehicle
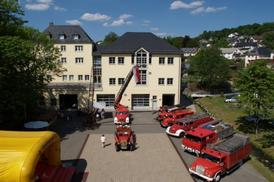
31,156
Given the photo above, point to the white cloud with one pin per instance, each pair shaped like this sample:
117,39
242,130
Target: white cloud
95,17
147,21
37,6
215,9
73,22
121,20
154,29
125,16
208,10
58,8
183,5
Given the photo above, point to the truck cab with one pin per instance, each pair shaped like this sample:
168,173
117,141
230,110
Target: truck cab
125,138
197,139
221,158
121,115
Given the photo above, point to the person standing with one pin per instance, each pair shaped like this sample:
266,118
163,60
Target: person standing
102,114
103,140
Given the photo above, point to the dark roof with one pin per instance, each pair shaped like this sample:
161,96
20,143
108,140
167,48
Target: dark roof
189,50
260,51
68,30
130,42
246,44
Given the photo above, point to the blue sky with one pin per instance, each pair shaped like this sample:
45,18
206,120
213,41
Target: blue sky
162,17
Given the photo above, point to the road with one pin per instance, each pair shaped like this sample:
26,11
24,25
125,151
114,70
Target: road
143,122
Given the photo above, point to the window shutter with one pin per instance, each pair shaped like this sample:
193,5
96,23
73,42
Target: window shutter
132,59
149,60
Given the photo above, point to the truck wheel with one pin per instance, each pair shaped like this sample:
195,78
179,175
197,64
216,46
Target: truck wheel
131,147
117,148
181,134
217,177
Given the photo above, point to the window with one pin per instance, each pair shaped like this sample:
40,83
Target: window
79,48
121,81
63,48
79,60
86,77
64,77
76,37
161,60
141,58
108,99
111,60
170,60
170,81
80,77
62,36
120,60
143,75
112,81
161,81
154,97
63,60
71,77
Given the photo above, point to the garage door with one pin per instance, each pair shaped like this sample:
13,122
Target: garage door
140,101
108,99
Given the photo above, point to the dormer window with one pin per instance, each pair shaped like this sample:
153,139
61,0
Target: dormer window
76,37
62,36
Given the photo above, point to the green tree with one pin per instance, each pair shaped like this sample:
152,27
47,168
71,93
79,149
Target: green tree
209,68
109,38
27,58
255,84
268,40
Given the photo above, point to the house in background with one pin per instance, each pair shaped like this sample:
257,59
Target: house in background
71,89
230,53
260,53
160,68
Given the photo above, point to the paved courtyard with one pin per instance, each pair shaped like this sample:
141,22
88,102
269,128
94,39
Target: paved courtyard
155,159
73,135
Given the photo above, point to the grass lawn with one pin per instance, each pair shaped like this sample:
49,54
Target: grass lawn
232,113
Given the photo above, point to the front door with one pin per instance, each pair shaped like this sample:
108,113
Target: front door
154,103
168,99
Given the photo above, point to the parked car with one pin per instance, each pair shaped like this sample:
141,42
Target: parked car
231,100
184,125
222,158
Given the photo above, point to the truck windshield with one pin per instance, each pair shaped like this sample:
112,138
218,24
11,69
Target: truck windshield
211,158
121,113
193,138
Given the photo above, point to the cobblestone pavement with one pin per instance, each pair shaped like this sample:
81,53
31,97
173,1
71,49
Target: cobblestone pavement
155,159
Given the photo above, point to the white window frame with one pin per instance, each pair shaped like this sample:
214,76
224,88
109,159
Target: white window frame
64,77
111,60
63,60
79,48
80,77
63,48
121,81
121,60
71,77
112,81
79,60
86,77
170,60
168,81
161,81
162,60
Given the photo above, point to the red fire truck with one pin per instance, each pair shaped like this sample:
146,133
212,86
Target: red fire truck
187,123
125,138
197,139
222,158
173,117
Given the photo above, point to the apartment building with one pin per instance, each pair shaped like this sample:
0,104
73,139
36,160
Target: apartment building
71,89
160,67
105,68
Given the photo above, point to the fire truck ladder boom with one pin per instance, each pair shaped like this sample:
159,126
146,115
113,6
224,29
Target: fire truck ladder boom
134,71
